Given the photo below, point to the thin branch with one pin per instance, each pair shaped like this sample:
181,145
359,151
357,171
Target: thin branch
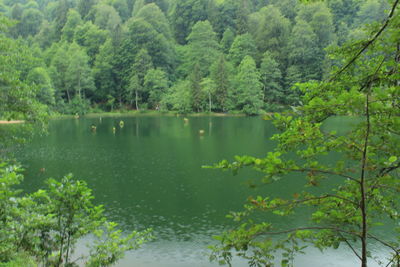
308,228
371,41
397,250
324,172
350,246
297,202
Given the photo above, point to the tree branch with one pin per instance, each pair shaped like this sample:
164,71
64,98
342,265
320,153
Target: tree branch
308,228
324,172
397,250
350,246
371,41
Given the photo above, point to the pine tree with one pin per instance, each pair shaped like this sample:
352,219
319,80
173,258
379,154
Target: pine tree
271,78
220,74
195,88
248,96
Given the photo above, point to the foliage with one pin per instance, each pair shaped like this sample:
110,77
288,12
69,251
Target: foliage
359,190
47,223
247,95
178,34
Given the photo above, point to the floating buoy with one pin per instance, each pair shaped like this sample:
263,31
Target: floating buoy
202,132
121,124
42,170
186,120
76,116
114,129
93,128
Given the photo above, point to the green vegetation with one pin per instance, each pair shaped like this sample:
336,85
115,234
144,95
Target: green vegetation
226,56
126,54
366,174
44,226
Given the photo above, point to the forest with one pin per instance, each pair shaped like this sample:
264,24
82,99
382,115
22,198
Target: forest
181,55
324,75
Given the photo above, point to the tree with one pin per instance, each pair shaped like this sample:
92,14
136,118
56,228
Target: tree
61,13
73,21
153,15
106,17
195,89
30,22
91,37
304,52
271,78
271,33
364,189
40,78
203,48
220,73
184,15
78,76
208,87
178,97
17,97
58,66
371,11
84,7
242,46
139,69
227,39
247,96
156,84
104,72
319,17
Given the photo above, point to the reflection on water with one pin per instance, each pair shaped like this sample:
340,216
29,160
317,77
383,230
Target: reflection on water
148,174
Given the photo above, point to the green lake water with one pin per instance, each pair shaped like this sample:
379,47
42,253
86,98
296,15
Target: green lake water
149,174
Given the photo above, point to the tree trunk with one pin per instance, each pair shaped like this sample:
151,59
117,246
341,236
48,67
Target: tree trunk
68,96
136,99
363,205
209,100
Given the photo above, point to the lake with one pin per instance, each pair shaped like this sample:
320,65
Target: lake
149,174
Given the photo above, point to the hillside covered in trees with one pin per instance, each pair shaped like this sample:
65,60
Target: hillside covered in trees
182,55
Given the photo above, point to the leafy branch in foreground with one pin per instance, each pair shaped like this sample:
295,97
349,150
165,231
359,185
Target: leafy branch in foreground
364,195
47,224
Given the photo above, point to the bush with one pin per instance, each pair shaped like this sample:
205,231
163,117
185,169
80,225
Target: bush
47,224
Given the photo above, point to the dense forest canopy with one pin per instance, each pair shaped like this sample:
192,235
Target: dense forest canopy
183,55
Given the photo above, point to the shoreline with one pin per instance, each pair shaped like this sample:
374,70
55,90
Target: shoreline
11,122
147,113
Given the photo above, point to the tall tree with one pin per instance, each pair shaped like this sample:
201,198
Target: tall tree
320,18
220,73
271,31
184,15
78,76
195,89
227,39
242,46
104,72
139,70
84,7
31,21
156,84
91,37
40,78
305,52
271,78
203,47
73,21
153,15
247,96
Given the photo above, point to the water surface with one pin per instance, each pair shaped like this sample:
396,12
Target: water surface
148,174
